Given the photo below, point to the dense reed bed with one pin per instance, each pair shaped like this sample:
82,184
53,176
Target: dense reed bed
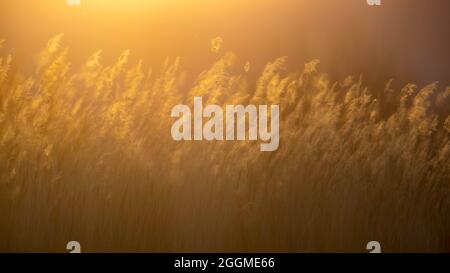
86,154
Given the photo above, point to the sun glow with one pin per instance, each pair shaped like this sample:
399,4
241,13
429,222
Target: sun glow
135,4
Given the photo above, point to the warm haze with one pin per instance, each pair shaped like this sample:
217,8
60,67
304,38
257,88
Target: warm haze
86,152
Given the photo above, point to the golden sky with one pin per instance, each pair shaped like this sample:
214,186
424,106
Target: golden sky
404,39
